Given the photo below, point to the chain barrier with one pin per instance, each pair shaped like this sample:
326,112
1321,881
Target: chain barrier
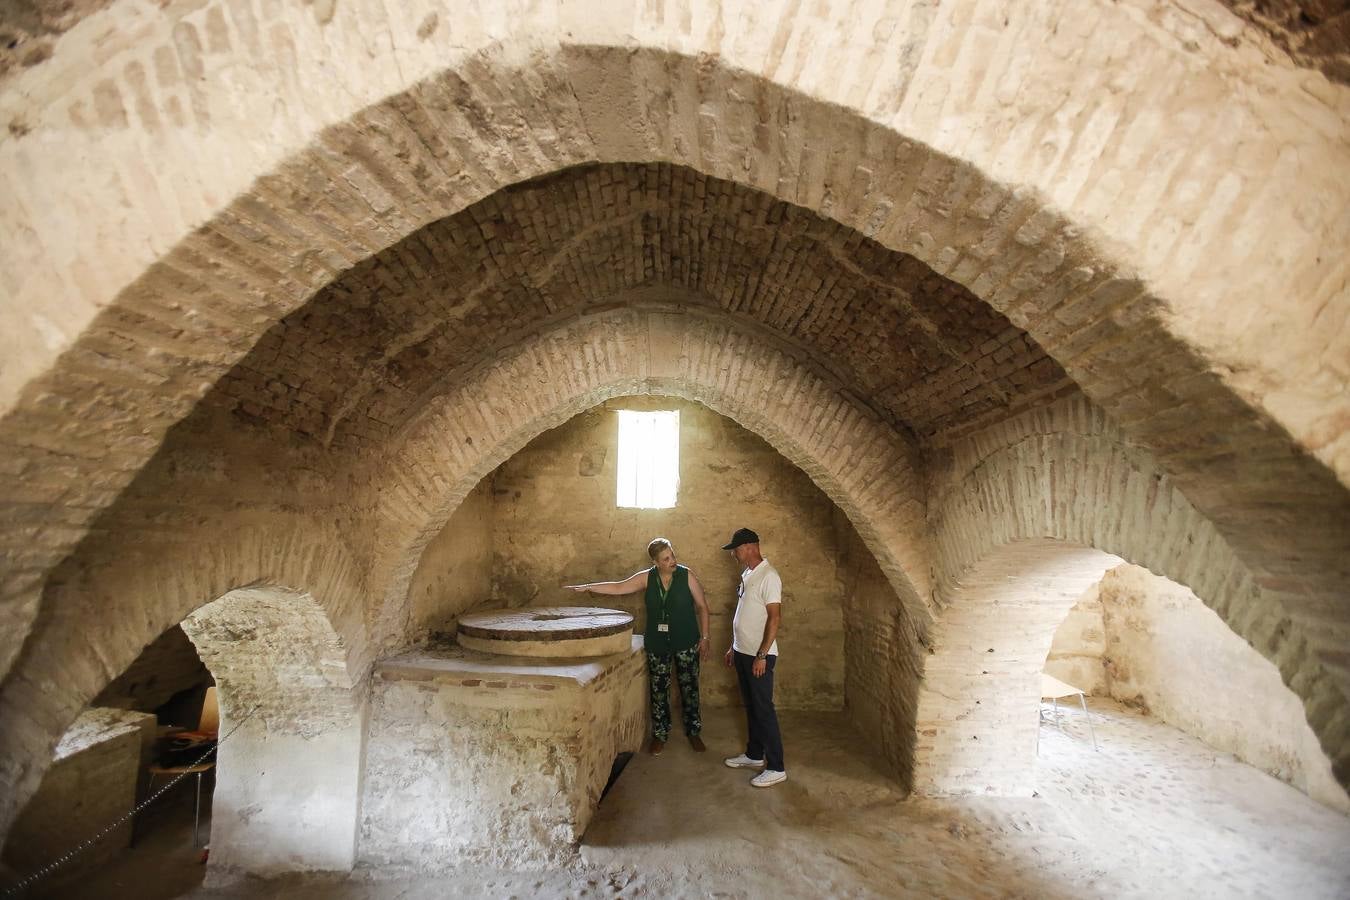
34,877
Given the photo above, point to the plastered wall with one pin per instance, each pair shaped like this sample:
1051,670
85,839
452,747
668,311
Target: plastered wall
1147,641
547,517
556,522
455,572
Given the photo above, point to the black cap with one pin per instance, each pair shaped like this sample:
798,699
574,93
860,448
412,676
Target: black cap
742,536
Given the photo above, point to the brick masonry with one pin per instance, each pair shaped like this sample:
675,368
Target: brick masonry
1066,472
1096,179
391,169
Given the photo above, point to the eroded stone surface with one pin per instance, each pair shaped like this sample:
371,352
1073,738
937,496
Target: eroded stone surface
566,631
93,782
476,759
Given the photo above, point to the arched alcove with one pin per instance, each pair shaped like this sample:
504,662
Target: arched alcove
136,593
1150,644
1065,472
861,464
547,515
981,687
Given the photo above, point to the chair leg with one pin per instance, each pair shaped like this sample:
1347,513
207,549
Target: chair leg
197,811
1087,715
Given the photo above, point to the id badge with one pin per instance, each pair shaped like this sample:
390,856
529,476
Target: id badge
662,626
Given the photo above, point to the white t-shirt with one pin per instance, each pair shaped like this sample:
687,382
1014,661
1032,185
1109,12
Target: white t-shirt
760,586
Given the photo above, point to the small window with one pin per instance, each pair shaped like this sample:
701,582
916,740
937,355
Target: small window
649,458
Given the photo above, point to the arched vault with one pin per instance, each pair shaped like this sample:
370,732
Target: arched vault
1090,190
996,151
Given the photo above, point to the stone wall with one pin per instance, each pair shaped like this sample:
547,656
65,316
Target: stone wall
91,784
493,761
556,522
455,572
1154,644
1079,645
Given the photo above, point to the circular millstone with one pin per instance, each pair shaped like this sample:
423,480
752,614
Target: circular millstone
557,631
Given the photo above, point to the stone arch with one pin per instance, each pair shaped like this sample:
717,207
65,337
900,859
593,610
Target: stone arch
1064,475
1018,212
133,593
976,719
867,468
288,777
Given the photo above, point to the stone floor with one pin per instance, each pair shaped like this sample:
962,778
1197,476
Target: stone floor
1155,813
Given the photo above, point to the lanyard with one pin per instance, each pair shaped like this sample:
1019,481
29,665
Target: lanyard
663,592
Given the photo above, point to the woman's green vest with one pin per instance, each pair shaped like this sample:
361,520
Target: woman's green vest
675,607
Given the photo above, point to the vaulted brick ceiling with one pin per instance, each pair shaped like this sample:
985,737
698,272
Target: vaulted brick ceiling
357,360
1315,33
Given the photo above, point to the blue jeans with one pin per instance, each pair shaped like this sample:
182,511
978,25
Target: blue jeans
765,742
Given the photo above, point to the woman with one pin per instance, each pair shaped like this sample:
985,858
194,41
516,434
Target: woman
676,636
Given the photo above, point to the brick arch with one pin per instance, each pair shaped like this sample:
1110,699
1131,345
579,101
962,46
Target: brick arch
867,468
977,718
1009,181
1035,479
288,778
275,656
104,609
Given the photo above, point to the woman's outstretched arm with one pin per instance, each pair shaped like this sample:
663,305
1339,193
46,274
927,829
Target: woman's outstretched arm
635,582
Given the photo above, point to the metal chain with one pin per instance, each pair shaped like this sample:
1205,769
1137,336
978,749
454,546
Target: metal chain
34,877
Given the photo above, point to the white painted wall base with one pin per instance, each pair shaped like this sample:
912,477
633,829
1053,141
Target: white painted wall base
286,802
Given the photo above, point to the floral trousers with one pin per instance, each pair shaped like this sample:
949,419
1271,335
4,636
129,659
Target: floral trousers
685,665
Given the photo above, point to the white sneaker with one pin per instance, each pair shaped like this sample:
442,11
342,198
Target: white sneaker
744,762
767,778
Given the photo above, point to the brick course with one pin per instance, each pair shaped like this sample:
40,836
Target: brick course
1147,201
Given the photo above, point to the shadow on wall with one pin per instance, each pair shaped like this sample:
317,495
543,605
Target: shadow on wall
99,769
1147,641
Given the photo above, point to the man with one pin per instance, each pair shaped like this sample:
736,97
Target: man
754,652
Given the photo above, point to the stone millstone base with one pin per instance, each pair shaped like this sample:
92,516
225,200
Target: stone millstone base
493,761
567,632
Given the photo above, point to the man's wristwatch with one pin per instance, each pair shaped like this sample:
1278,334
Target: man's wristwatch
761,656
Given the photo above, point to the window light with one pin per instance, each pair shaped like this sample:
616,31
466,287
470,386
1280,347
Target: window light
649,458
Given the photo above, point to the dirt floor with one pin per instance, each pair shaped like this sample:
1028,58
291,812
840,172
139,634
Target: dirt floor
1155,813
